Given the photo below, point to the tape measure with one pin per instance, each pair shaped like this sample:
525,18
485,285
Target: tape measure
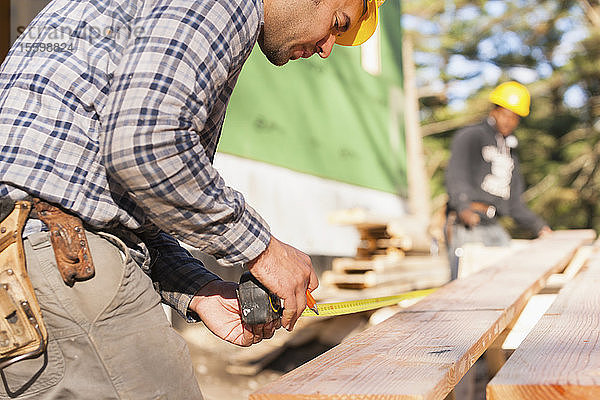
354,306
259,306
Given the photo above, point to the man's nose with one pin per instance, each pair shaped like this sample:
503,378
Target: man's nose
325,46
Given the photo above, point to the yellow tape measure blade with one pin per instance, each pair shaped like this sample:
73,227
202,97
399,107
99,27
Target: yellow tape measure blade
354,306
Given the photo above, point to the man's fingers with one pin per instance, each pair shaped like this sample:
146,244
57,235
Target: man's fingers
300,306
247,335
292,308
269,330
286,319
313,282
258,332
289,309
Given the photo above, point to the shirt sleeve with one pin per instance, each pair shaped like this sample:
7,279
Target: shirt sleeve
518,210
176,274
160,98
458,181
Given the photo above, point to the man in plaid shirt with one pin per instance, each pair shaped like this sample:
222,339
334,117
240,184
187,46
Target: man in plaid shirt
112,110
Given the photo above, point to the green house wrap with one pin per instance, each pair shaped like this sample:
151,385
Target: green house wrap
328,118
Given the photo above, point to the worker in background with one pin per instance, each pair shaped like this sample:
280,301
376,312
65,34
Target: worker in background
483,178
110,115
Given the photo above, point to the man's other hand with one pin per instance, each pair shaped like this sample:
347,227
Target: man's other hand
469,218
288,273
545,231
217,305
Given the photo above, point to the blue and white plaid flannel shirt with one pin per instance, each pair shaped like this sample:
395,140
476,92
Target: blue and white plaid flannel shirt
113,109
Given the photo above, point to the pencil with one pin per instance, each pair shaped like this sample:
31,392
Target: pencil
311,303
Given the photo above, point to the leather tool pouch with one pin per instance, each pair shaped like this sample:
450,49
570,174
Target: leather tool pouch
69,242
22,332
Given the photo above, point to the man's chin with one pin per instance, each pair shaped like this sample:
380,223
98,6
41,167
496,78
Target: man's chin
279,63
278,59
275,57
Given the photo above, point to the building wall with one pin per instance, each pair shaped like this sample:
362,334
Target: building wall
328,118
316,136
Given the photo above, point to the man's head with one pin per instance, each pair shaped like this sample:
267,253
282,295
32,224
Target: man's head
301,28
512,102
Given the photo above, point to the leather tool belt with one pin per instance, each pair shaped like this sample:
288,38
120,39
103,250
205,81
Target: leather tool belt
484,209
452,217
67,235
22,331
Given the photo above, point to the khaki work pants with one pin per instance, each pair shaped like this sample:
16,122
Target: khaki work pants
108,337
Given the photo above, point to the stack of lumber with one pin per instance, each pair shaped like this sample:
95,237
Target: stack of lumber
375,241
405,273
394,253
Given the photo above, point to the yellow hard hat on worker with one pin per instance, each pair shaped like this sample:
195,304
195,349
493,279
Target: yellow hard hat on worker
364,28
512,96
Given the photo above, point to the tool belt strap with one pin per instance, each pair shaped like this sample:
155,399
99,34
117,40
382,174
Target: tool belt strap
69,242
483,208
22,332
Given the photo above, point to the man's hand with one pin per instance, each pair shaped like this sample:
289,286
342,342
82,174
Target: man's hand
469,218
217,305
545,231
287,272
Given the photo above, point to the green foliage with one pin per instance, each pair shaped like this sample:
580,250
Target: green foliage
559,143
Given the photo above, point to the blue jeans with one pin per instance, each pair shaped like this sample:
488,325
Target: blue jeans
490,234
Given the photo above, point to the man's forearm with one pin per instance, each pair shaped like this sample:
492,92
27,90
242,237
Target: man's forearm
176,274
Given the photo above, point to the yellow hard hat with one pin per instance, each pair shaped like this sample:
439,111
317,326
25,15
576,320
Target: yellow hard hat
512,96
364,28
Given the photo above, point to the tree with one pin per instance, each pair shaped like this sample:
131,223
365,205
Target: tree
465,48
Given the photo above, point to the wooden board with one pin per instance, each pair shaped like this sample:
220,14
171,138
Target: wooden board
557,281
560,358
353,265
436,277
515,277
422,352
358,217
389,264
393,360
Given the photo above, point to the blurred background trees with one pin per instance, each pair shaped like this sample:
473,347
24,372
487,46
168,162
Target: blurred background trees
465,48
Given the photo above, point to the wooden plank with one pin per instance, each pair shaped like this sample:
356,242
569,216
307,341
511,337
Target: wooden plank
438,276
477,256
560,358
531,314
389,263
513,278
422,352
397,365
557,281
359,217
353,265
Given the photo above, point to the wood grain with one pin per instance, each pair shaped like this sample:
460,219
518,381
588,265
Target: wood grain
560,358
422,352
